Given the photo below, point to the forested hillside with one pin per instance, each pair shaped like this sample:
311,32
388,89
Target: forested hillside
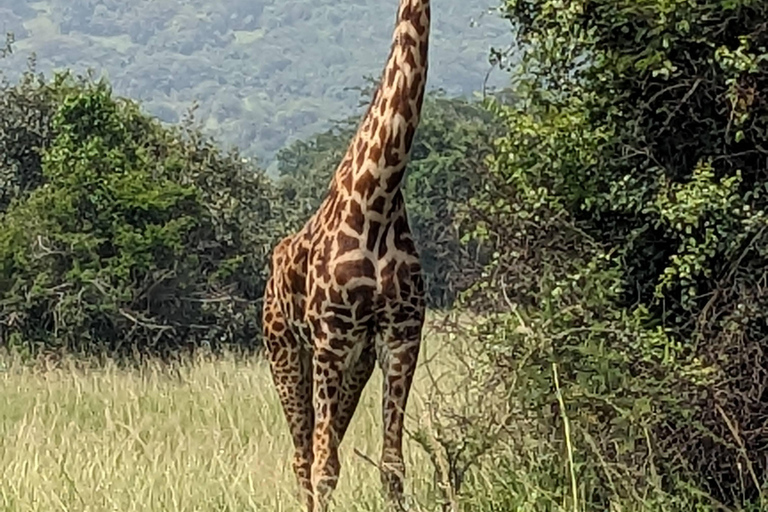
265,72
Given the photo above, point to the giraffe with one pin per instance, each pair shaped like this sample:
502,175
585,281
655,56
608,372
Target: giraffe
346,290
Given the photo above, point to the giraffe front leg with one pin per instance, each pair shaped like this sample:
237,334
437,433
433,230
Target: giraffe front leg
325,443
398,359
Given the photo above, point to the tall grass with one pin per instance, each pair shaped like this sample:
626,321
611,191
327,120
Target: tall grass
204,436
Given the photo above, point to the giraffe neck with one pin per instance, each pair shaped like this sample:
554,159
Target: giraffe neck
372,170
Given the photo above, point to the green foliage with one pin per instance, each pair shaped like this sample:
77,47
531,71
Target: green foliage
137,239
265,72
626,206
446,169
26,109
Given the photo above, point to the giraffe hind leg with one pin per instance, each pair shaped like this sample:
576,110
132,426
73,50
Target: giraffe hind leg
398,359
337,394
291,369
353,383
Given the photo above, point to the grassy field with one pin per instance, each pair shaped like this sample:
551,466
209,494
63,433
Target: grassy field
205,436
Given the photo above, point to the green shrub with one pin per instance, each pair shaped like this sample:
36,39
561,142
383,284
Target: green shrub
26,110
645,120
553,346
138,238
626,206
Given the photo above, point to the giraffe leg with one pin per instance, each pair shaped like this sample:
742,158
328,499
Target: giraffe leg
336,398
291,369
297,407
353,383
328,382
398,359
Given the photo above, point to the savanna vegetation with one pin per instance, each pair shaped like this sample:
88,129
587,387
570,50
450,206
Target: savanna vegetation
594,240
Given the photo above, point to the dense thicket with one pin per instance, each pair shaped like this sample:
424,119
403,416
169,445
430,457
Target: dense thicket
118,235
629,204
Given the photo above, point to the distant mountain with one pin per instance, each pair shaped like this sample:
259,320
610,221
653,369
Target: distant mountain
264,72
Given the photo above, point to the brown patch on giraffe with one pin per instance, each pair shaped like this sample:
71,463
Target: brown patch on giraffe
346,243
322,272
346,182
418,25
394,180
391,80
397,100
410,58
335,296
365,185
374,153
323,357
349,270
373,234
392,158
300,260
405,14
378,205
295,280
407,41
410,132
408,112
383,132
415,87
336,325
383,248
388,286
317,299
360,157
420,99
355,219
362,297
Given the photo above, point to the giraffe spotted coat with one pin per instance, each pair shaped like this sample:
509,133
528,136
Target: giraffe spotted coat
346,290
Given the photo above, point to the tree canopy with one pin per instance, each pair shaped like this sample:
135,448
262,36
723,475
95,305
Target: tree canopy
119,236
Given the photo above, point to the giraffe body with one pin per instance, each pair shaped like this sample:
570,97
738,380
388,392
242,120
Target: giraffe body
346,291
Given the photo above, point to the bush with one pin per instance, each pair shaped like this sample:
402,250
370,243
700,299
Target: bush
26,109
575,389
627,211
137,238
653,140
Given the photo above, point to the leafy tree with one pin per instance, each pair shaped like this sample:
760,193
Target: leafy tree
628,209
136,239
